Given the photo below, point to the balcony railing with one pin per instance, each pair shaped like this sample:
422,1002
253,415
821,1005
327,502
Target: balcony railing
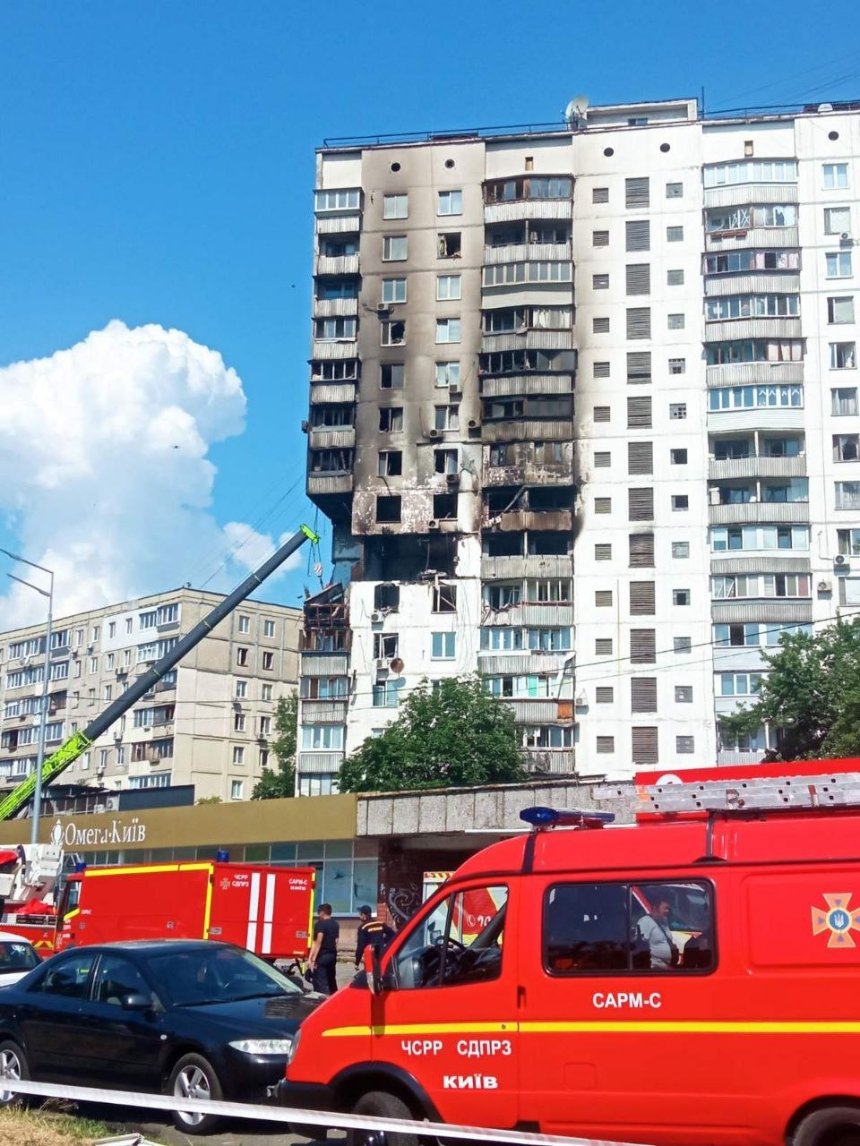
757,467
740,239
751,512
337,265
528,209
527,252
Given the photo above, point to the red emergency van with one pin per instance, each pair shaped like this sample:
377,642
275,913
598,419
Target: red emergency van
568,1011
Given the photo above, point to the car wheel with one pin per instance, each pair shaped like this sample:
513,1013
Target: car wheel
832,1126
194,1077
381,1104
13,1064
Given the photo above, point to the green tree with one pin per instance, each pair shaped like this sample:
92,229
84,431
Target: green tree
449,736
810,695
276,783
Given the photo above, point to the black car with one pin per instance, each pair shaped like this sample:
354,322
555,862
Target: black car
190,1018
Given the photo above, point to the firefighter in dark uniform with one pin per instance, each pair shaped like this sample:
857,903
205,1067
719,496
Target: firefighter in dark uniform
371,933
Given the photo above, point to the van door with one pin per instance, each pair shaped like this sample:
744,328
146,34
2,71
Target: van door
616,976
450,1018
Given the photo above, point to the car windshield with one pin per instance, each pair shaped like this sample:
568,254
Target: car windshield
17,957
197,976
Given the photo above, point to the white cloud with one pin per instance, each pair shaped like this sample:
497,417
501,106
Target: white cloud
104,474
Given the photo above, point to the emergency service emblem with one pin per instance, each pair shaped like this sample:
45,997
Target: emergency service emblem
838,918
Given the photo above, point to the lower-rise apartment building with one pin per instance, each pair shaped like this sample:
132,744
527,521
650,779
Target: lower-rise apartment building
584,416
206,723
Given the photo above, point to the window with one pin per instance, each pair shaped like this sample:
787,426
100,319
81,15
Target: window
388,509
601,413
604,694
394,248
682,644
637,192
674,234
450,203
238,721
680,596
603,646
638,278
446,417
392,333
600,238
268,660
603,598
335,329
642,598
447,330
449,245
738,683
467,931
685,744
600,282
639,322
244,623
840,309
242,657
390,463
448,288
600,325
674,190
241,690
385,694
678,457
395,206
605,745
844,401
603,505
599,194
267,692
675,278
446,462
443,646
603,551
680,549
238,755
444,598
680,501
838,265
676,322
391,419
837,220
341,200
843,355
268,628
846,447
835,176
67,976
601,370
683,694
448,374
677,365
394,290
237,787
637,235
677,411
602,459
848,495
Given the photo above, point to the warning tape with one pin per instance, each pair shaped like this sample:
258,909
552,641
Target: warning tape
331,1119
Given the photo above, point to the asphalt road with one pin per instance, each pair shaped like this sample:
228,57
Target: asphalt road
240,1132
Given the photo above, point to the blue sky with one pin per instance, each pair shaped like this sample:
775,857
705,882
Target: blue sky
157,167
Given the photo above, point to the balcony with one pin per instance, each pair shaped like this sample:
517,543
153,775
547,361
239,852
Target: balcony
320,762
743,328
552,613
766,512
337,265
528,710
554,762
769,611
525,385
317,663
528,209
332,437
528,252
528,430
338,224
771,562
756,467
335,351
538,565
532,339
530,473
518,520
742,194
343,393
751,373
752,282
329,483
324,711
757,418
717,242
335,307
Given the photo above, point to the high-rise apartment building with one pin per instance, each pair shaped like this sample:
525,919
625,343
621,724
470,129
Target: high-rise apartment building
584,415
206,723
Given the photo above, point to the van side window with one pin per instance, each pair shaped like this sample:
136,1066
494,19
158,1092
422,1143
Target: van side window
458,942
655,926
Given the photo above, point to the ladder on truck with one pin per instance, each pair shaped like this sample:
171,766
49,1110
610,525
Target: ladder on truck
777,787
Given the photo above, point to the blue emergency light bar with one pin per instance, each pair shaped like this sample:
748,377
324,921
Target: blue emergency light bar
565,818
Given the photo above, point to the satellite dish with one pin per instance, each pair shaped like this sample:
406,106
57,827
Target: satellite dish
397,665
576,111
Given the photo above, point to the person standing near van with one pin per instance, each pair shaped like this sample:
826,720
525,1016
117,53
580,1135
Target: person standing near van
371,933
322,961
656,932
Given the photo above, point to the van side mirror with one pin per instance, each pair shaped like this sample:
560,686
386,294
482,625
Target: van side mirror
373,967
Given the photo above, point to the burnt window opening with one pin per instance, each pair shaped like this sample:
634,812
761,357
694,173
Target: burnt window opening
331,461
385,646
391,419
386,596
526,361
411,558
444,598
502,454
445,506
505,499
446,462
551,497
388,509
502,544
540,544
391,375
450,245
342,370
392,333
390,463
528,187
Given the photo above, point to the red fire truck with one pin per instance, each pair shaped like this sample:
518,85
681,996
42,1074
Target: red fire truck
568,1013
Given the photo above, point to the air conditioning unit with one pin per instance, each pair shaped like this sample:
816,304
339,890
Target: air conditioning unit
117,735
846,239
581,700
824,587
433,523
381,663
473,424
305,427
452,479
455,388
840,561
383,307
714,496
433,432
375,618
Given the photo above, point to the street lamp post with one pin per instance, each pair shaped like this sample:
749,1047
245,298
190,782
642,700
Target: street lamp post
43,714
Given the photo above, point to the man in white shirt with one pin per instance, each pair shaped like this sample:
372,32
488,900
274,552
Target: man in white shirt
656,932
